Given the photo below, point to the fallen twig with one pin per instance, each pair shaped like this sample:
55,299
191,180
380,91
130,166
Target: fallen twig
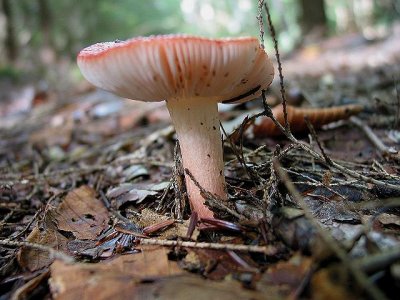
378,261
315,137
52,252
260,22
278,59
373,138
267,250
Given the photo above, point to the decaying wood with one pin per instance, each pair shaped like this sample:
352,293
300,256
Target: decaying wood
264,126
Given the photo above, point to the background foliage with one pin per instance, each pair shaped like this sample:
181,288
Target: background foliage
34,34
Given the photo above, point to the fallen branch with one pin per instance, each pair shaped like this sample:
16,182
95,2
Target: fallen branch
52,252
267,250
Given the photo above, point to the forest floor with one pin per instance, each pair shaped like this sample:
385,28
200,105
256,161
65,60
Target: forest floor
91,204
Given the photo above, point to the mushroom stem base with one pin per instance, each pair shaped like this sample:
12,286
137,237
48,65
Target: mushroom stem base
196,123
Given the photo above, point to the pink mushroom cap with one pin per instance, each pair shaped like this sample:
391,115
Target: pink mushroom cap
156,68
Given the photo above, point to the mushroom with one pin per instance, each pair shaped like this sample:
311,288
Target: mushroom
192,74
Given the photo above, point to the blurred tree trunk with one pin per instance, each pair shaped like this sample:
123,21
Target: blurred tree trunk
48,53
11,44
45,19
313,16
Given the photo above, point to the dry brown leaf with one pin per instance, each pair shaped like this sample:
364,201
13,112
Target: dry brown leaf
125,278
288,275
90,281
82,214
152,261
196,288
34,259
215,264
112,278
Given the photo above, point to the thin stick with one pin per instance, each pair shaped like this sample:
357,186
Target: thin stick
260,22
268,112
373,138
247,155
52,252
278,59
267,250
379,261
328,160
27,226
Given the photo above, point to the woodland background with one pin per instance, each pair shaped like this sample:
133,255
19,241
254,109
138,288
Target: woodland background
39,36
91,179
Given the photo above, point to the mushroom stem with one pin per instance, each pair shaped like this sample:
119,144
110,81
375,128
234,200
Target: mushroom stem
197,127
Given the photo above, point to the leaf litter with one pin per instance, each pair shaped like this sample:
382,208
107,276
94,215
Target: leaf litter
85,184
